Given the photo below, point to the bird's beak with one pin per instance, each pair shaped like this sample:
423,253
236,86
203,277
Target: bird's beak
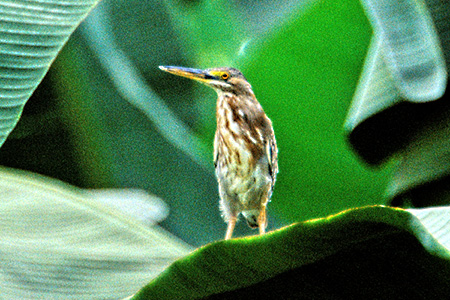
196,74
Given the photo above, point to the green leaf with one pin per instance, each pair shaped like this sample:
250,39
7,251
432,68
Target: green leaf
131,85
405,66
367,253
31,35
58,241
411,47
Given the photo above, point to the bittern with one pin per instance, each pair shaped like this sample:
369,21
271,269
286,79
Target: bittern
245,150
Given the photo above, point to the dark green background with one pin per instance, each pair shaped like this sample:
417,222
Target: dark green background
303,61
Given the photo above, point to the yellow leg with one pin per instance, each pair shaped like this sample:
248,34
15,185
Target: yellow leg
230,228
262,221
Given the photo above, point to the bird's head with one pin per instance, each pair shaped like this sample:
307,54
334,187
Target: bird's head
221,79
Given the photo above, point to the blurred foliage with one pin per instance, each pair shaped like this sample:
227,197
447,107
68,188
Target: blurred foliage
61,242
31,35
400,107
303,61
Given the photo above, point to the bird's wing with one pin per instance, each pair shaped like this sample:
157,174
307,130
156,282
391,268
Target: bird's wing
216,148
272,155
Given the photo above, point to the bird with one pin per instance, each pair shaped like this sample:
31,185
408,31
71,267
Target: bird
245,149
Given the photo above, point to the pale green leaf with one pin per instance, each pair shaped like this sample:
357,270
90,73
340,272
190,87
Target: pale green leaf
57,242
436,221
411,47
376,90
32,32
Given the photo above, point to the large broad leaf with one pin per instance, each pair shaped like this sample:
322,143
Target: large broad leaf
404,76
60,242
368,253
31,35
399,109
411,47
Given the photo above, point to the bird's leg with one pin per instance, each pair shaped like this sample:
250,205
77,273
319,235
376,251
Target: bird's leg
230,228
262,221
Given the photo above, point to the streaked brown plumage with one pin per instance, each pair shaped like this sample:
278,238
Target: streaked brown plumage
245,150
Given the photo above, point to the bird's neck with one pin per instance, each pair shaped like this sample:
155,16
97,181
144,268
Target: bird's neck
233,100
242,122
232,109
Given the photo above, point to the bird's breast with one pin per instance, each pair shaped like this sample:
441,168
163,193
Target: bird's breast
241,169
239,147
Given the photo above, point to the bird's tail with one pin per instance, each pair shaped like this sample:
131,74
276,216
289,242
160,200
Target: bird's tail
255,216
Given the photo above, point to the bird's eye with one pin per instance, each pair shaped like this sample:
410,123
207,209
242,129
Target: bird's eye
225,76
